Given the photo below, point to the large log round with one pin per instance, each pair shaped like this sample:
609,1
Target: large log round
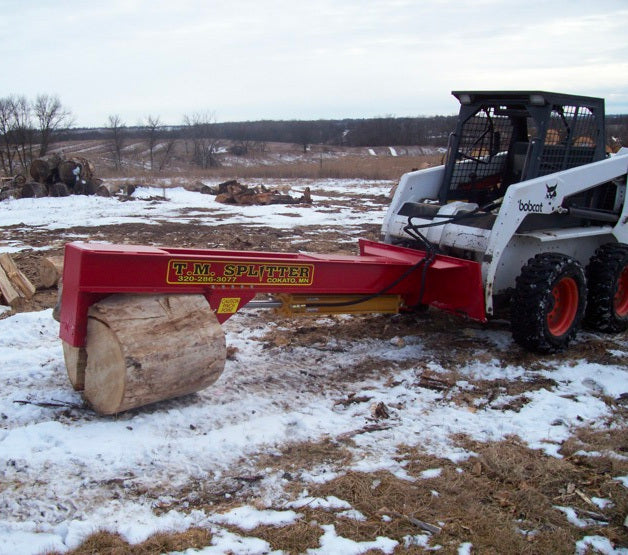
69,172
34,189
59,189
40,170
147,348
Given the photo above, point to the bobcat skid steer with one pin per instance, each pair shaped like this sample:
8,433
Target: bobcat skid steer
528,191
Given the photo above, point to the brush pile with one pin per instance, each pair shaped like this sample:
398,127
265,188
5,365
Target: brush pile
234,192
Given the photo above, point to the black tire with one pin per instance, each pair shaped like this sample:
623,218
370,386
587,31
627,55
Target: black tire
607,278
549,302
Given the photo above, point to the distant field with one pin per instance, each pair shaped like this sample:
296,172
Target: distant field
270,160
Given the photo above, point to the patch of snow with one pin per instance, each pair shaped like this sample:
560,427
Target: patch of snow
228,542
332,544
328,503
465,548
431,473
623,480
247,518
352,514
599,544
574,519
420,540
601,502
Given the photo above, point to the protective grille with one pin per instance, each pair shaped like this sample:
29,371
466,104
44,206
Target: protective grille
570,139
481,155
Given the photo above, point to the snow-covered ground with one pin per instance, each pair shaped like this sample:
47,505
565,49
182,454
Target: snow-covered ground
59,461
186,206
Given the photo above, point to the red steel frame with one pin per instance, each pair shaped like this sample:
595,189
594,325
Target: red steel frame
230,279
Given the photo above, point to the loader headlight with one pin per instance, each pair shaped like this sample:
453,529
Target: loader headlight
537,100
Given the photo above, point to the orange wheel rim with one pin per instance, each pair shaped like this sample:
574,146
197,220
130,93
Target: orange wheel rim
620,301
562,315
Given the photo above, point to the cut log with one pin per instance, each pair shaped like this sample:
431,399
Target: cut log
20,282
147,348
50,271
59,189
86,167
33,189
40,170
69,172
10,294
107,189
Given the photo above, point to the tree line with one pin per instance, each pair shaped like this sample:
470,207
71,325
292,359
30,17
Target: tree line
382,131
27,128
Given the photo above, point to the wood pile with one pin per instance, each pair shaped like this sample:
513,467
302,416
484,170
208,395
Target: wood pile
234,192
15,287
55,176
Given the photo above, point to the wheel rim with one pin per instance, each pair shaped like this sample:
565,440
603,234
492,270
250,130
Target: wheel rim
565,307
620,301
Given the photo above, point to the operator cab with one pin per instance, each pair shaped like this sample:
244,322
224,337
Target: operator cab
503,138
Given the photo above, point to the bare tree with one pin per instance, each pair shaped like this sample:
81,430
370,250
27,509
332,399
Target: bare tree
117,138
167,152
152,135
22,132
160,143
51,116
7,152
205,145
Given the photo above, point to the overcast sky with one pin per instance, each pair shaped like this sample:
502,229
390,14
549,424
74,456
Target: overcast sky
294,59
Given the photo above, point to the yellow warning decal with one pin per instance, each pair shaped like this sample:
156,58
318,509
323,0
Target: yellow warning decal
228,305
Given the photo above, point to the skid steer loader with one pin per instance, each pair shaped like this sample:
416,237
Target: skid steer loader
528,192
526,219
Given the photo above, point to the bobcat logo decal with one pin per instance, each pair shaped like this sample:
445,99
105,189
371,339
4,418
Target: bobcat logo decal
551,191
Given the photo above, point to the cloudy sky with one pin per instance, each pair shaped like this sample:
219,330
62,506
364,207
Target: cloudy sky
295,59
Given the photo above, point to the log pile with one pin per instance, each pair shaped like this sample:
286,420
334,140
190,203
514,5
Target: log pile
57,177
15,287
234,192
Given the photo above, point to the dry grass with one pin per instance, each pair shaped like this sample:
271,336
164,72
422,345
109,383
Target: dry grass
280,161
352,167
340,168
296,538
106,543
502,500
293,458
